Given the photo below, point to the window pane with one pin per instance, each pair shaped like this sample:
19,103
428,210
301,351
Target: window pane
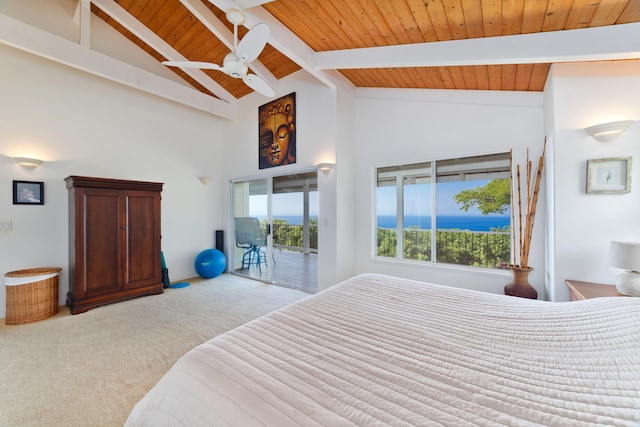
473,211
386,234
417,206
289,229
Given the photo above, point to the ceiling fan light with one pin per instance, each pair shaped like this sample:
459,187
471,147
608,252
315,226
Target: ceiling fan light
234,66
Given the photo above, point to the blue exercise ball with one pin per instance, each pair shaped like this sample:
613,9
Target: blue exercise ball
210,263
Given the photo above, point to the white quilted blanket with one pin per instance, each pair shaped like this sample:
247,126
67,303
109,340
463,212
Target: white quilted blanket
379,350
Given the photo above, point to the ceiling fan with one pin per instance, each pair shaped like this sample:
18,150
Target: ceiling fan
243,52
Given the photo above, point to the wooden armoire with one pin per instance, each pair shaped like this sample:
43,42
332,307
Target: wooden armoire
114,241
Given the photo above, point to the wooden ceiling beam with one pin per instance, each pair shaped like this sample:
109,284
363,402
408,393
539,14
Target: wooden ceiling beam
246,4
123,17
290,45
33,40
209,20
83,14
613,42
218,28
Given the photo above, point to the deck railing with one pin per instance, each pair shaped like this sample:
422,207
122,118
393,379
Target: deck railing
290,236
474,248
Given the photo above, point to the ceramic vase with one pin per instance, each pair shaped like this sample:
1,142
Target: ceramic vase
519,286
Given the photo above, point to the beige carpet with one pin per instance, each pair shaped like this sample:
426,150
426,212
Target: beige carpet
91,368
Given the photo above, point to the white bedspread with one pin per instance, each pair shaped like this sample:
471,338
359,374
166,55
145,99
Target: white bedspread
379,350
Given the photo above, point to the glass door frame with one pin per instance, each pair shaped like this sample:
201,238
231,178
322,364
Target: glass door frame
266,275
268,278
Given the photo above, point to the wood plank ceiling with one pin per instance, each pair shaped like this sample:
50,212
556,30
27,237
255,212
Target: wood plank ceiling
329,25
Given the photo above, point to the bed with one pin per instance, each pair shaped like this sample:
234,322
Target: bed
380,350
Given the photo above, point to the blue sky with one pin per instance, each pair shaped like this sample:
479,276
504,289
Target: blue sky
284,204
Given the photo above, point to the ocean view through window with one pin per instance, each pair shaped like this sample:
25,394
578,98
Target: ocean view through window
454,211
461,222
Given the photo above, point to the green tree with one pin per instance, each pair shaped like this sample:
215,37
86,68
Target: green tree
494,197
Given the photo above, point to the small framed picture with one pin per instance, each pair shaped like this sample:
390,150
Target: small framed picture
609,176
28,193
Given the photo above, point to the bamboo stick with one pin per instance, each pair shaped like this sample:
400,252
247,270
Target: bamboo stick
519,218
532,212
529,185
532,209
514,247
523,252
532,194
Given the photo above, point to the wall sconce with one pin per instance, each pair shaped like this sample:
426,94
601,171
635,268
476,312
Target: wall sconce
626,256
325,167
606,132
205,180
27,162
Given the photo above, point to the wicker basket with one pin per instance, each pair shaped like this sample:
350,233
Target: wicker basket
32,294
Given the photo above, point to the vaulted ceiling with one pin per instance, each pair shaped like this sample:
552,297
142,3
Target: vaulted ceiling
343,35
498,45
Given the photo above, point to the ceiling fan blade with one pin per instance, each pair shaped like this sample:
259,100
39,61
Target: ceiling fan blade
259,85
193,64
253,42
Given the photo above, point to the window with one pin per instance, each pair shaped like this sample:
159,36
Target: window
459,214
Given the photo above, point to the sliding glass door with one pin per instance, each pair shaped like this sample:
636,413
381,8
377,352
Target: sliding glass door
250,235
275,230
295,231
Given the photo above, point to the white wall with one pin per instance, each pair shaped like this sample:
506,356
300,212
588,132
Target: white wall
315,129
584,94
345,244
549,182
80,124
431,125
319,131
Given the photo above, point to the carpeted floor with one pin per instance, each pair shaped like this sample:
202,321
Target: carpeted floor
91,368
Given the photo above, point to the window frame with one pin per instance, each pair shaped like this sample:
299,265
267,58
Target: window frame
432,263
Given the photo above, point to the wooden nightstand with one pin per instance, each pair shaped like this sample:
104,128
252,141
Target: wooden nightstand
586,290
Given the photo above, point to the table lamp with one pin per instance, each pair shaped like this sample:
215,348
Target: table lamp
626,255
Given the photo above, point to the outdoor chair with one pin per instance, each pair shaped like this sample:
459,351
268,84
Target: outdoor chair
251,238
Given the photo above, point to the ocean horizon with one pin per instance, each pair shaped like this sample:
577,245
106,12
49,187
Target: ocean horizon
445,222
449,222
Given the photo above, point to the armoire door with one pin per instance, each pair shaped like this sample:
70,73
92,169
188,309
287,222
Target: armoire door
142,227
102,241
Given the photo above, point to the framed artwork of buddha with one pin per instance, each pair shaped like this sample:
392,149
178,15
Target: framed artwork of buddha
277,132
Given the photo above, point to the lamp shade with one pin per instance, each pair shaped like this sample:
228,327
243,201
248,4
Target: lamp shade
607,132
625,255
325,167
27,162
